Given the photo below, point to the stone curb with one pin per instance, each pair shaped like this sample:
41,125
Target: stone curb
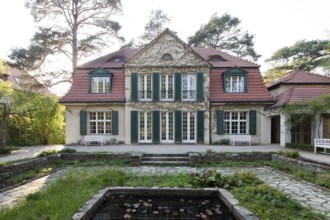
225,196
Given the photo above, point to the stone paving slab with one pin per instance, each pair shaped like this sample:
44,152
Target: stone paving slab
307,194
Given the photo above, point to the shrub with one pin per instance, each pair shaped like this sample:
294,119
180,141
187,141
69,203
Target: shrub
223,142
291,154
211,178
6,149
47,153
68,150
210,151
305,147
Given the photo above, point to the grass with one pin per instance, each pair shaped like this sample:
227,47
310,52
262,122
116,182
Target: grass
62,198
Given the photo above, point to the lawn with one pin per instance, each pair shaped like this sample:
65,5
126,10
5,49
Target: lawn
63,197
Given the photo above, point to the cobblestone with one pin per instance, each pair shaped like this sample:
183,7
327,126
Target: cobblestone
306,194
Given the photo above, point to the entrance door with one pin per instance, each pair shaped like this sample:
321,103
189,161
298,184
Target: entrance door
188,127
145,127
167,127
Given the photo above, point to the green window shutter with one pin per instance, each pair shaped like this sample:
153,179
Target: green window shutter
245,84
114,129
220,122
83,122
178,127
134,127
200,87
177,87
200,127
155,127
134,87
253,122
155,87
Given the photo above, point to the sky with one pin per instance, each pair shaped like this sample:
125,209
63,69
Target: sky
275,23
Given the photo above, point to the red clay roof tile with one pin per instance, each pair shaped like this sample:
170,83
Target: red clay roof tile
299,94
301,77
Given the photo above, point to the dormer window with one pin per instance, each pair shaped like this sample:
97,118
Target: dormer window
100,81
116,59
216,58
234,81
167,57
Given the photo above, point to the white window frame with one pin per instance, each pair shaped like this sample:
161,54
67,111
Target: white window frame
239,121
100,84
145,87
167,129
188,87
167,87
107,123
190,127
147,124
235,84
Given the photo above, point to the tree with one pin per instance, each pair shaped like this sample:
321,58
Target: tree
223,33
30,118
156,24
303,55
3,67
71,28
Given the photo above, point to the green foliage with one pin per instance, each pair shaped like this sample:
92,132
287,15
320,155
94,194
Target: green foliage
223,33
29,175
268,203
6,149
291,154
223,142
31,118
299,112
64,32
211,178
68,150
305,147
47,153
303,55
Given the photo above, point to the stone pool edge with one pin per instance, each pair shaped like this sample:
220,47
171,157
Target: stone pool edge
228,199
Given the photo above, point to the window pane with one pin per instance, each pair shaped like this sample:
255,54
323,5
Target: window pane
235,122
100,115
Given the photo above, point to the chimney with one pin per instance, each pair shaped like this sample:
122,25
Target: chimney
5,77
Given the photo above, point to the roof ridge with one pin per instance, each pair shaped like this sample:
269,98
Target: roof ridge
290,91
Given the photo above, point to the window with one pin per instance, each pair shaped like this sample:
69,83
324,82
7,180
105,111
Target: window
235,122
188,87
234,81
100,122
234,84
167,57
145,87
100,84
167,87
145,133
100,81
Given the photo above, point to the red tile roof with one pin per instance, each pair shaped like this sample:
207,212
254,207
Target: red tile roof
256,90
230,61
300,77
299,94
79,90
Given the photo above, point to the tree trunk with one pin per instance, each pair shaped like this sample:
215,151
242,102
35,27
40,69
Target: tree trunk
74,36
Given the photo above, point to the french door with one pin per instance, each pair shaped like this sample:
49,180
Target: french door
188,127
167,127
145,129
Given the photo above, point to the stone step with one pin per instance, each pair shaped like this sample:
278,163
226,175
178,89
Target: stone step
165,155
165,158
165,163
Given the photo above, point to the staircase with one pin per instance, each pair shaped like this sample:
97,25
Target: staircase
165,160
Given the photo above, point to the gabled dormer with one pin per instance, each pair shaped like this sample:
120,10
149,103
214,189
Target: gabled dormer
235,80
100,81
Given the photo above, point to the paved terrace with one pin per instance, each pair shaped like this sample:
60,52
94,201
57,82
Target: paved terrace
28,152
